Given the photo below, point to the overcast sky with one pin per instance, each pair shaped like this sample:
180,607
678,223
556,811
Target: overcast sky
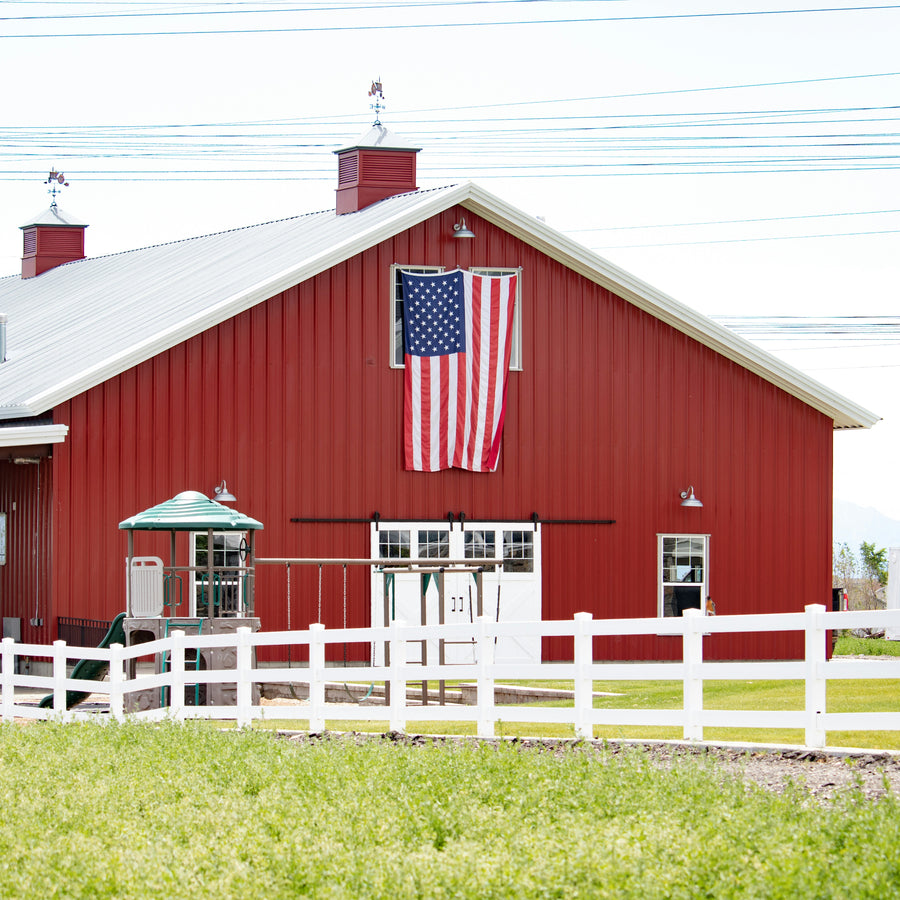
741,156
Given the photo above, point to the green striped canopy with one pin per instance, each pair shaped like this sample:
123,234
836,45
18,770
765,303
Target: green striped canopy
190,511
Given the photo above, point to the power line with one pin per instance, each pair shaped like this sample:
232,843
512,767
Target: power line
406,26
750,240
870,212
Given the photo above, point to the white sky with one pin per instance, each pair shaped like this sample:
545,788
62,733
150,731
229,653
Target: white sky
437,81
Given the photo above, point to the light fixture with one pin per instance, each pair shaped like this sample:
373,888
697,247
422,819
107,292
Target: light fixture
460,230
688,498
222,494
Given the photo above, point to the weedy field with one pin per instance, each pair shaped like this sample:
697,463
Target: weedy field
178,811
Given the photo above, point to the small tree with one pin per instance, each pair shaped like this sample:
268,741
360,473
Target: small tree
844,568
874,572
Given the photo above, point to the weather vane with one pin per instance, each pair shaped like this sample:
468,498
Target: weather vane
376,92
57,182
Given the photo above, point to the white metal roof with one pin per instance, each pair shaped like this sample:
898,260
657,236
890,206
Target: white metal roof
381,138
54,216
80,324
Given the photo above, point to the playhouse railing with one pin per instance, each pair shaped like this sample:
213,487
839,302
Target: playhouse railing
815,670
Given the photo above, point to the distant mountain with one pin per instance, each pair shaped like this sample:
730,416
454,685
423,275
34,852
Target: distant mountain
854,524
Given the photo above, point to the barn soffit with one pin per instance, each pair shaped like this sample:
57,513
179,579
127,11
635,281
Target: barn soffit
82,323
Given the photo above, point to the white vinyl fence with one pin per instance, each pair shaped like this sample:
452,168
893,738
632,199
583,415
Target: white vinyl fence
815,670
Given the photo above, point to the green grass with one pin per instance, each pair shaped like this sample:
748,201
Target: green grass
847,645
133,811
851,695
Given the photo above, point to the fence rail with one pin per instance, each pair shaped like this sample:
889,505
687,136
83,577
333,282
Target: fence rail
814,670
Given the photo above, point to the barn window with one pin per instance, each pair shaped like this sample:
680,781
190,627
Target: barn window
397,308
683,576
480,544
393,544
434,544
515,352
518,551
515,356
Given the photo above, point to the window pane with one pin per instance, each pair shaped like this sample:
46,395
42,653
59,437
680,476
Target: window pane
397,354
515,356
434,544
684,597
393,544
683,573
518,551
481,545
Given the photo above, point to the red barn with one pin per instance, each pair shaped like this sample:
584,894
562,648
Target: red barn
272,357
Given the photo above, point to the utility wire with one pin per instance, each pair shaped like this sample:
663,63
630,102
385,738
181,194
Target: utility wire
407,26
870,212
281,10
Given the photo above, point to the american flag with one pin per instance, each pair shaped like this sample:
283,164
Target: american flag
457,339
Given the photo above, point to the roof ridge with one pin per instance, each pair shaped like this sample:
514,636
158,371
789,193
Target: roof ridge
210,234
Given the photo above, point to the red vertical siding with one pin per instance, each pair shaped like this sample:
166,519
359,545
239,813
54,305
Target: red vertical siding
295,404
25,497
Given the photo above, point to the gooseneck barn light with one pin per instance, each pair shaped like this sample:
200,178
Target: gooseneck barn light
688,498
222,494
460,230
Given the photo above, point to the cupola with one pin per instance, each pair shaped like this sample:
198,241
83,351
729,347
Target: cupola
49,240
377,166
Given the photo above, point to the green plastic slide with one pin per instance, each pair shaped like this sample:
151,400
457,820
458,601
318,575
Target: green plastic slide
92,669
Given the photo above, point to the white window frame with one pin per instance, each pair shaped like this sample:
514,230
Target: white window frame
515,355
664,582
395,346
396,343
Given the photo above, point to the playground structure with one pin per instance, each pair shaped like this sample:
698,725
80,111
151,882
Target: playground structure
214,594
217,588
430,570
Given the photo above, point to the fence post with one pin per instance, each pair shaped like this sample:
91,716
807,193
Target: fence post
316,677
584,686
693,680
397,676
816,684
8,651
116,682
59,678
176,675
244,664
484,647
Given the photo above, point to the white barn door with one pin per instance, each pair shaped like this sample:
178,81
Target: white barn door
511,592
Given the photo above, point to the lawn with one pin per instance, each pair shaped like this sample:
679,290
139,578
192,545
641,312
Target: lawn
851,695
133,811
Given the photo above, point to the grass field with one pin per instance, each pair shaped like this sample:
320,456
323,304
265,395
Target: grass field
852,695
133,811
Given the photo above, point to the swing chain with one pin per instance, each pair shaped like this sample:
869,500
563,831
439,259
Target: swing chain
319,619
288,565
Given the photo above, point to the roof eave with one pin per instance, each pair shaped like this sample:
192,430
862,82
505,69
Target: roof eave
844,413
31,435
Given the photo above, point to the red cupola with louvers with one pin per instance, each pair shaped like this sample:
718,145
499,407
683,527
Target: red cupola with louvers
377,166
49,240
